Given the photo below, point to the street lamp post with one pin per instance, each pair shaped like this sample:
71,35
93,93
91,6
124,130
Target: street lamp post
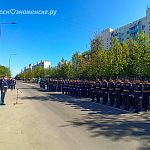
10,60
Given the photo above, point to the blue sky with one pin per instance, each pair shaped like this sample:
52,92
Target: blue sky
44,37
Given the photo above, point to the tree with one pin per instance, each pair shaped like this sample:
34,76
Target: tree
4,71
116,58
38,72
96,43
98,64
143,54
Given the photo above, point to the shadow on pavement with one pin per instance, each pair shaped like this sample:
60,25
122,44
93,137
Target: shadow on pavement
85,104
101,120
115,127
28,88
41,98
105,121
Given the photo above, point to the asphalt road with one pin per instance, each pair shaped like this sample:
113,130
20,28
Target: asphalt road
59,122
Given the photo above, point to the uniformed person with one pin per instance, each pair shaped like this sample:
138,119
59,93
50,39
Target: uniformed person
98,90
85,89
126,94
93,90
88,90
118,92
138,94
104,90
111,88
76,88
80,88
67,87
63,87
4,86
146,95
131,96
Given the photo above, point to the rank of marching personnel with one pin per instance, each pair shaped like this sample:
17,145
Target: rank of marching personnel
121,94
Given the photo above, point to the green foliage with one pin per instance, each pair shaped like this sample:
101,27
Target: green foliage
38,72
96,43
4,71
130,58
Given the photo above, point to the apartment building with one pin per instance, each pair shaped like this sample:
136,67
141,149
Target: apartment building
125,32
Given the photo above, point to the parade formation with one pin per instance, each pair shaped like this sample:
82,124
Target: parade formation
124,94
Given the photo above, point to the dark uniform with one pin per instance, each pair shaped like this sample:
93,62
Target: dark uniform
131,97
98,91
111,88
63,87
146,95
4,86
93,91
126,93
104,91
82,89
88,87
118,91
73,88
59,86
85,89
111,91
70,88
79,89
138,95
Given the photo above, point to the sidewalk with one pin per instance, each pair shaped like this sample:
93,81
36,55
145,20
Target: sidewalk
12,120
22,125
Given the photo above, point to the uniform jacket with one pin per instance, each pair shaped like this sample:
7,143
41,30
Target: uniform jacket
4,85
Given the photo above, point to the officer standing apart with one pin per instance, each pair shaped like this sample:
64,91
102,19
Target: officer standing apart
4,85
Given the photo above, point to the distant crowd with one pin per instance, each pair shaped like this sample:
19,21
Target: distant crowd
124,94
6,83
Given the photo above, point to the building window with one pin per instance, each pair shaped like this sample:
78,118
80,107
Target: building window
143,26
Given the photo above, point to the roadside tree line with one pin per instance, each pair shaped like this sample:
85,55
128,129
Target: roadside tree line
4,71
128,59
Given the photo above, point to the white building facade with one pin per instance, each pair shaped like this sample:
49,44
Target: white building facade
125,32
45,64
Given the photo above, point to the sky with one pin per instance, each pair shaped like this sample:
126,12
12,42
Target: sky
37,37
